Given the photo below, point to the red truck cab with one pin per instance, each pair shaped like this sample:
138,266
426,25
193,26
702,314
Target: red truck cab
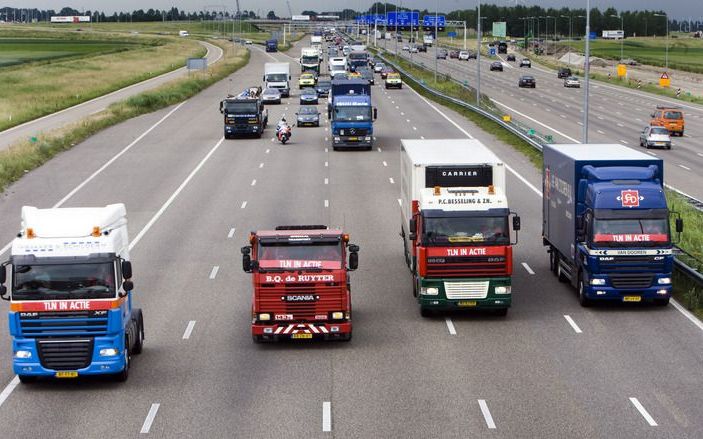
301,283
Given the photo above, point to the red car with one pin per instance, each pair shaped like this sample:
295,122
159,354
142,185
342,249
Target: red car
454,54
386,71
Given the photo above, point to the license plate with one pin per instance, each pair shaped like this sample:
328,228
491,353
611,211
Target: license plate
632,299
301,335
659,143
467,303
66,374
353,139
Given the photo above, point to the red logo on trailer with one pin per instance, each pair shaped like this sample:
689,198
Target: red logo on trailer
630,198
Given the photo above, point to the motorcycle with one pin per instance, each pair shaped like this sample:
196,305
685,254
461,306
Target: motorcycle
283,133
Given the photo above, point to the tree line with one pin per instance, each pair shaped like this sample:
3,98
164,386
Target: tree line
139,15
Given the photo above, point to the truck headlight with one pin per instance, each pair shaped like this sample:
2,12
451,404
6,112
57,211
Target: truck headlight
336,139
664,281
337,315
264,316
341,132
23,354
367,138
429,291
502,290
597,281
109,352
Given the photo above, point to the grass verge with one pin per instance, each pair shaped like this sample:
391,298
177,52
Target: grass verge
26,155
685,290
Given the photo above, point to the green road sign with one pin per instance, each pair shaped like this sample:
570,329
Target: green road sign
499,29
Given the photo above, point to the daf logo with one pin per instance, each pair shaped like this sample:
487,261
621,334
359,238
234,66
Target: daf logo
352,131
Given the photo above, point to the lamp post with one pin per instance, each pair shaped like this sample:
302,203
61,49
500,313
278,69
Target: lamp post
478,55
667,38
622,28
436,36
586,72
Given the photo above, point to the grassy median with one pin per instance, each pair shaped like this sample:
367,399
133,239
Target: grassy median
27,155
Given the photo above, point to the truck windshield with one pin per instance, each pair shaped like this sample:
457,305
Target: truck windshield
462,230
64,281
276,77
310,59
650,232
348,114
325,255
241,107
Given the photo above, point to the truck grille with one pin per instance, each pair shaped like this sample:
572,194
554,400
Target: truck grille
353,131
466,290
331,296
71,354
632,281
64,324
464,267
630,263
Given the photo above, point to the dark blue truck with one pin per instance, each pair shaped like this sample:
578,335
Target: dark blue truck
272,45
351,114
606,223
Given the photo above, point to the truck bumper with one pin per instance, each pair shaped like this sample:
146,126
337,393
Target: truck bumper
237,130
302,331
608,293
352,142
464,294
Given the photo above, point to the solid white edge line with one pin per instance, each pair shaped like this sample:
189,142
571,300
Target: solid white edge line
8,389
535,121
326,416
645,414
528,268
687,314
486,414
450,325
213,272
150,418
573,324
231,232
189,330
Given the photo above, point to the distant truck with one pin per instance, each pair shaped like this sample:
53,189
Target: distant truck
272,45
183,33
310,60
71,312
613,34
316,43
357,59
337,64
301,283
455,225
351,114
502,47
427,40
244,114
277,75
605,223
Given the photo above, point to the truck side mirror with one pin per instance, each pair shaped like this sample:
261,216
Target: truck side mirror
222,109
246,259
412,225
679,227
126,269
516,223
353,256
375,113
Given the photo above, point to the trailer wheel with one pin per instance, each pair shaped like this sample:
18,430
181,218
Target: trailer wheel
553,261
560,274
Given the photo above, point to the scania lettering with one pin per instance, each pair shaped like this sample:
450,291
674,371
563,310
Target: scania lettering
302,285
70,294
455,225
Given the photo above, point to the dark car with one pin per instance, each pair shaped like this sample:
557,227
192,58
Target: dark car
454,54
323,87
563,72
497,65
386,71
527,81
526,63
366,74
511,57
442,54
421,48
308,95
308,116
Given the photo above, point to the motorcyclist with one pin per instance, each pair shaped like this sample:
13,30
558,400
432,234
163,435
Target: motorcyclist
282,124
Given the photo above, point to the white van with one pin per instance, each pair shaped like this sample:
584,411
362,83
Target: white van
183,33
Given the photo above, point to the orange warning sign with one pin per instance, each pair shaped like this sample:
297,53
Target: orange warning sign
664,80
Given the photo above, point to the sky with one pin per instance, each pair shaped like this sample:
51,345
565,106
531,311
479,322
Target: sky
686,9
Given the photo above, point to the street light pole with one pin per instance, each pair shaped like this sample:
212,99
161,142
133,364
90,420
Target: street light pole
622,28
436,36
586,72
478,56
667,37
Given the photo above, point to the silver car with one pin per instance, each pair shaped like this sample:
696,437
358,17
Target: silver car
655,136
572,81
378,67
271,96
308,116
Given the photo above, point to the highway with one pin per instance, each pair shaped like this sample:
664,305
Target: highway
617,114
550,369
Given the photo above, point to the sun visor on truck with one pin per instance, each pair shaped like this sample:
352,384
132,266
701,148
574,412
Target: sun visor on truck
609,173
459,176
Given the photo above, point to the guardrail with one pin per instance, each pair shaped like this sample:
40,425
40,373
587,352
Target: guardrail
685,268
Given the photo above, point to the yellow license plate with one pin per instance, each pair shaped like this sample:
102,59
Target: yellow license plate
67,374
302,336
353,138
632,299
467,303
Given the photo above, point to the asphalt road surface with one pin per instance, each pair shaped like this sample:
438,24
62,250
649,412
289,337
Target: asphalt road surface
550,369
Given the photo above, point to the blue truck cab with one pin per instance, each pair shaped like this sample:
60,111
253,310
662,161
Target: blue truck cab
606,223
351,114
272,45
71,311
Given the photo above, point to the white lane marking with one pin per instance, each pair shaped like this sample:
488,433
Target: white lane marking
600,132
326,416
486,414
685,167
391,180
600,117
580,123
407,120
327,149
415,128
450,325
327,181
422,137
651,153
402,114
700,154
675,304
327,203
400,202
528,268
231,233
326,164
536,121
173,196
397,107
638,120
562,116
392,102
189,330
384,163
253,182
645,414
379,150
326,129
267,151
624,141
146,426
213,272
548,109
244,205
327,139
620,125
261,165
573,324
8,389
273,139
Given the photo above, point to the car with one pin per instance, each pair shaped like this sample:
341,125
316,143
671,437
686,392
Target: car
406,47
308,115
307,80
510,57
655,136
454,54
323,87
669,117
331,51
441,54
463,55
525,63
378,67
563,72
346,50
247,42
393,80
399,38
271,96
386,70
496,66
472,55
308,95
414,49
421,48
572,81
366,74
527,81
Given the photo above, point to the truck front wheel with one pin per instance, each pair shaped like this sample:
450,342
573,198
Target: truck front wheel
583,300
661,302
124,374
27,379
139,324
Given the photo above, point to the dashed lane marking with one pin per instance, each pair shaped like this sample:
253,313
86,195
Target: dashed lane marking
573,324
527,268
146,426
189,330
213,272
231,233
